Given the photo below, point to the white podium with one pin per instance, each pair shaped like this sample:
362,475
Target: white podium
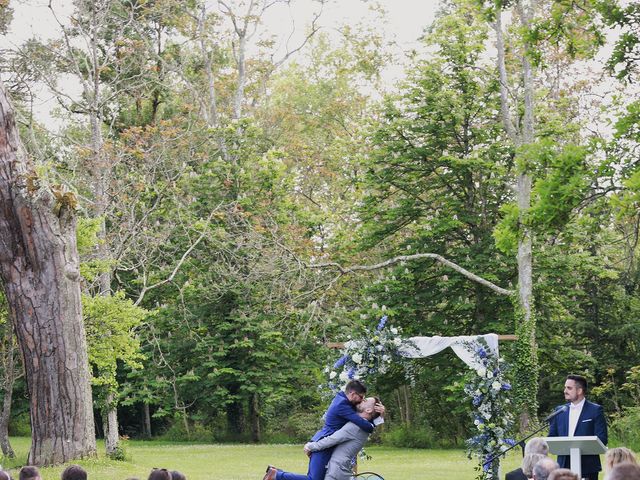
575,447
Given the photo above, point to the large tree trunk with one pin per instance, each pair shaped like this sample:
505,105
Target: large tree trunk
39,268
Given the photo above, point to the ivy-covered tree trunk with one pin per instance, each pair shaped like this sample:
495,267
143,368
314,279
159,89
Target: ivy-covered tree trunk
523,136
39,267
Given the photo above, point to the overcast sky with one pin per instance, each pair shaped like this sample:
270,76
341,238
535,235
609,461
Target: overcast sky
406,19
404,23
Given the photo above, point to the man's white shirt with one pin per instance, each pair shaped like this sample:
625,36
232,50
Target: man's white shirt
574,415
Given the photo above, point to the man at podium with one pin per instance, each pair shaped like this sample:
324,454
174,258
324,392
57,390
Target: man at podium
579,418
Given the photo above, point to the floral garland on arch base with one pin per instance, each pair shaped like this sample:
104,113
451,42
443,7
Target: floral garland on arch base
489,392
366,356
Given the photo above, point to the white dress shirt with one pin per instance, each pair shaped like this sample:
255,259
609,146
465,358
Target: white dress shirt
574,414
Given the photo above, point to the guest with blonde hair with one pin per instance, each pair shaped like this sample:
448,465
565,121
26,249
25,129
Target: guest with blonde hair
615,456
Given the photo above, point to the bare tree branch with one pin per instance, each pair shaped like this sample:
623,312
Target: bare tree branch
407,258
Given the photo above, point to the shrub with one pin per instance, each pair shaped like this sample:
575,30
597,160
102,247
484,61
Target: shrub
120,453
410,436
178,433
20,425
624,429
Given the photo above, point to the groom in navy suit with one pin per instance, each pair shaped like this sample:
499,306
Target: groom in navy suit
580,418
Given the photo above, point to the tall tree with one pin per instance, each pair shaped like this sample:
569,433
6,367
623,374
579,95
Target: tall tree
41,279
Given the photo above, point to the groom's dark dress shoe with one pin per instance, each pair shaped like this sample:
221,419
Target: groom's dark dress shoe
271,473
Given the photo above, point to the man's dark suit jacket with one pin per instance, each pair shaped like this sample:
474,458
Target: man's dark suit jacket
515,475
590,423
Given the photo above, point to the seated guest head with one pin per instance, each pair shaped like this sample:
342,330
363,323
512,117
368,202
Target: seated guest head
74,472
175,475
625,471
30,473
614,456
563,474
159,474
537,445
529,461
4,475
543,468
355,391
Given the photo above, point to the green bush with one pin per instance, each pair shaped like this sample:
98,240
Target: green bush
295,428
20,425
624,430
410,436
178,433
120,454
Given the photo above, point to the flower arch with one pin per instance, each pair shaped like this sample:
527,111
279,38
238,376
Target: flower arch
487,387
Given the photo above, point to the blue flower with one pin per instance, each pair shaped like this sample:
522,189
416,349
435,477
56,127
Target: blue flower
477,400
341,361
510,441
487,464
382,323
506,386
482,353
351,373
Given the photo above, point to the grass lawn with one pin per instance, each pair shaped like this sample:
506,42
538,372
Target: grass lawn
248,462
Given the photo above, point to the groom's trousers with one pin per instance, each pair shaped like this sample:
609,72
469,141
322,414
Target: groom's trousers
317,467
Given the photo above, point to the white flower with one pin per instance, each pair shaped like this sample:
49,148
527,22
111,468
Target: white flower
489,374
394,330
385,358
384,308
374,306
397,341
496,385
332,375
481,372
344,376
356,357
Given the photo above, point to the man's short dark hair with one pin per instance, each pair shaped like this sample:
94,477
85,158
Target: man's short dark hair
356,386
159,474
581,382
74,472
176,475
29,473
625,471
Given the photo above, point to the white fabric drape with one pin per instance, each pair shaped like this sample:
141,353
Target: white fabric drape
421,347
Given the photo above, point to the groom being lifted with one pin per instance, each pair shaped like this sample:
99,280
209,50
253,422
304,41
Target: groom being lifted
341,411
